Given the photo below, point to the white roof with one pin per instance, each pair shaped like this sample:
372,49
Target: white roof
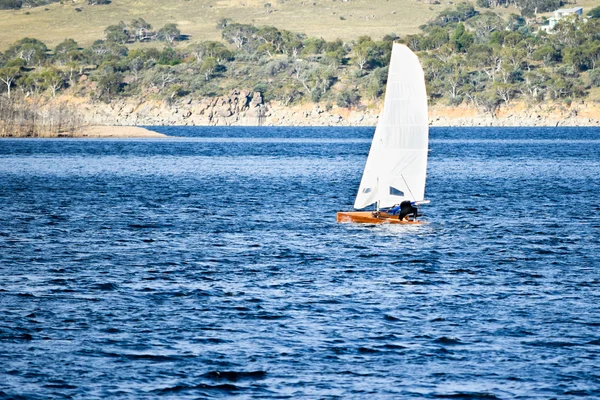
569,10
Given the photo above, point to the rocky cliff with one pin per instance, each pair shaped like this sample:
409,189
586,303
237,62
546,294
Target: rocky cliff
245,108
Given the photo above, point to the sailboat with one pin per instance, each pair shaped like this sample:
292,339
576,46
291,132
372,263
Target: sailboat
395,172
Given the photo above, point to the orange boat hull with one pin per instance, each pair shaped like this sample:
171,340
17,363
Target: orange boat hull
367,217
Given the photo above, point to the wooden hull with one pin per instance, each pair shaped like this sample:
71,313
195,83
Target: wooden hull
367,217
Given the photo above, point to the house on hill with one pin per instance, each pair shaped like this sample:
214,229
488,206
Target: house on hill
560,14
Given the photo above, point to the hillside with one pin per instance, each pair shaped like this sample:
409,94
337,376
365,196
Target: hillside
330,19
472,58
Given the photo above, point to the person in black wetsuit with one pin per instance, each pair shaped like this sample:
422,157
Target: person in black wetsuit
406,208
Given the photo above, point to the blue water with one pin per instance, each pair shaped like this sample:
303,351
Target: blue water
211,265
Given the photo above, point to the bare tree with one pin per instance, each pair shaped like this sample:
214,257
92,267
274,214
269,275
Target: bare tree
8,75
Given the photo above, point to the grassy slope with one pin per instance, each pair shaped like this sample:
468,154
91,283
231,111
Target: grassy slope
198,18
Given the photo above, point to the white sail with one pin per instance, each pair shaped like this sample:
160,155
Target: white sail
397,162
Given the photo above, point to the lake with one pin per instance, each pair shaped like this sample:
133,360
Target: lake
211,265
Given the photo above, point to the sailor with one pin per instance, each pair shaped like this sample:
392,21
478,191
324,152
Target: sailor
407,208
394,210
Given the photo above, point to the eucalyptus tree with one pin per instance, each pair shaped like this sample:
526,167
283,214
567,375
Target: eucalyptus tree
116,33
348,97
293,43
32,84
67,50
53,79
141,30
313,46
594,78
547,54
136,66
535,84
109,83
505,90
489,102
8,75
484,24
594,13
272,40
461,40
240,35
487,59
209,67
32,51
169,33
592,54
376,83
10,4
435,38
454,80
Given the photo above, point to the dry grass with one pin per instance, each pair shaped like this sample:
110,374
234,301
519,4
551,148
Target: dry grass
197,18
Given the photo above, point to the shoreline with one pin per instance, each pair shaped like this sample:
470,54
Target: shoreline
123,131
97,132
116,131
226,111
132,132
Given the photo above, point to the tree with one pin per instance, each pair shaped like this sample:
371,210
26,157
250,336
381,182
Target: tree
141,30
169,57
312,46
489,102
592,54
33,83
208,68
174,91
8,75
169,33
484,24
108,84
534,84
532,7
67,50
453,84
594,13
546,53
238,34
73,68
376,83
576,57
32,51
595,78
504,90
363,52
136,65
287,94
461,39
10,4
163,76
101,51
116,33
348,98
272,38
53,79
436,38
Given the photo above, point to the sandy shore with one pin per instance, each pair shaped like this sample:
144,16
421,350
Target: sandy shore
101,131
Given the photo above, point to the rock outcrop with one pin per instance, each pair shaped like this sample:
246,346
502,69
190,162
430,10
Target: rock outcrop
246,108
